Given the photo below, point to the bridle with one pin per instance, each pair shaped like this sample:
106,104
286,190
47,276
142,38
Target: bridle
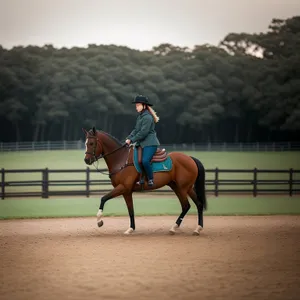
103,155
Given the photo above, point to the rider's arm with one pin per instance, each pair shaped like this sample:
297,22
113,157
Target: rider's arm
133,132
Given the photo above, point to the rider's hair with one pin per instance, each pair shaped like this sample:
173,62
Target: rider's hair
153,113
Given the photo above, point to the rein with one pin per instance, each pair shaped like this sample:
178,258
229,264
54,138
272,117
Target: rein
102,155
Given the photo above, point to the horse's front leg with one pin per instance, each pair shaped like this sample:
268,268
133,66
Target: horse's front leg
117,191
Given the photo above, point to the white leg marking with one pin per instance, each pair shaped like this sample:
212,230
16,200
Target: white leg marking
173,228
128,231
197,230
99,217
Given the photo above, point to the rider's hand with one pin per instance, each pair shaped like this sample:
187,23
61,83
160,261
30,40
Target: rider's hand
128,142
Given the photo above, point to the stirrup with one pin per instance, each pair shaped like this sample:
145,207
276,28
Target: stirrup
150,183
141,182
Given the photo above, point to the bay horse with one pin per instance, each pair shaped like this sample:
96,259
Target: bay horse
186,177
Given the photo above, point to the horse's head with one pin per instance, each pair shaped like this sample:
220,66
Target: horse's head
93,147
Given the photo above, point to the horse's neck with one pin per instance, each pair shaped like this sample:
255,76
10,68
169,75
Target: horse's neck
109,145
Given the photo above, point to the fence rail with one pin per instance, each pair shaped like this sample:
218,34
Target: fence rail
250,181
79,145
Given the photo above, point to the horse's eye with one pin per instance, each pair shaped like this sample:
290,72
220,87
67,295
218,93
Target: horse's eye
91,143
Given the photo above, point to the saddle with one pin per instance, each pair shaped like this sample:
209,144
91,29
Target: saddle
159,156
161,162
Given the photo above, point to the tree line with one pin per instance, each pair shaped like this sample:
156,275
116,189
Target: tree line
246,89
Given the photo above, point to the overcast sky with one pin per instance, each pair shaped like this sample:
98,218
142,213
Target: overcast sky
138,24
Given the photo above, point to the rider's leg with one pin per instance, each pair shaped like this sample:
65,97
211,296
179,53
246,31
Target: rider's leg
148,153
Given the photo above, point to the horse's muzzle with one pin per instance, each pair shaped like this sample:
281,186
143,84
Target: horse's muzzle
88,161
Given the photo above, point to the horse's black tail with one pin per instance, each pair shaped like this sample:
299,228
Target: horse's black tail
199,186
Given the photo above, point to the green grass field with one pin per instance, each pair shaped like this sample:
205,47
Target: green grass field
73,159
86,207
146,204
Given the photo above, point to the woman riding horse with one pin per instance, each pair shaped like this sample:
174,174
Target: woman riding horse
144,134
185,178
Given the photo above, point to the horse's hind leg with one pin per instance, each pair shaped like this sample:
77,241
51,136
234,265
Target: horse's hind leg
185,205
129,204
199,206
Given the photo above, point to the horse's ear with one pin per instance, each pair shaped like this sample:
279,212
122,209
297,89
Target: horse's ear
94,130
84,131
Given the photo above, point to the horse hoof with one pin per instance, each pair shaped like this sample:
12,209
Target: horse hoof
100,223
128,231
197,230
172,230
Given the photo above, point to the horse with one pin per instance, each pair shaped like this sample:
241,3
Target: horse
184,174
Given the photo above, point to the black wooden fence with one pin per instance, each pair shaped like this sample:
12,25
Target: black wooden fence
251,181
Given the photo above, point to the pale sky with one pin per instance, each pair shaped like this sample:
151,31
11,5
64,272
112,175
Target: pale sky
138,24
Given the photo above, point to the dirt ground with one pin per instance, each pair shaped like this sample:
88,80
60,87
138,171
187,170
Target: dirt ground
234,258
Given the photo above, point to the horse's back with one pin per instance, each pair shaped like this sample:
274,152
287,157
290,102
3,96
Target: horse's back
182,159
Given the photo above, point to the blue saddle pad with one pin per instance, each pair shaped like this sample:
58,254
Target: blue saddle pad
163,166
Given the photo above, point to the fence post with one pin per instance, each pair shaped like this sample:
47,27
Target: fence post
2,183
291,182
216,182
255,182
45,183
87,182
209,146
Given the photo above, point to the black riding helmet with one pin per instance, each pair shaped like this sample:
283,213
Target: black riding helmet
141,99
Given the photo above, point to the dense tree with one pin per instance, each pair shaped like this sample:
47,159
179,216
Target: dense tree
247,89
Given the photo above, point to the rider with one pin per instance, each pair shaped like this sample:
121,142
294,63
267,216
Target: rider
144,134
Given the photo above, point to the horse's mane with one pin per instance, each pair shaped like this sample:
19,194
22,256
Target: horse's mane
107,134
113,137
